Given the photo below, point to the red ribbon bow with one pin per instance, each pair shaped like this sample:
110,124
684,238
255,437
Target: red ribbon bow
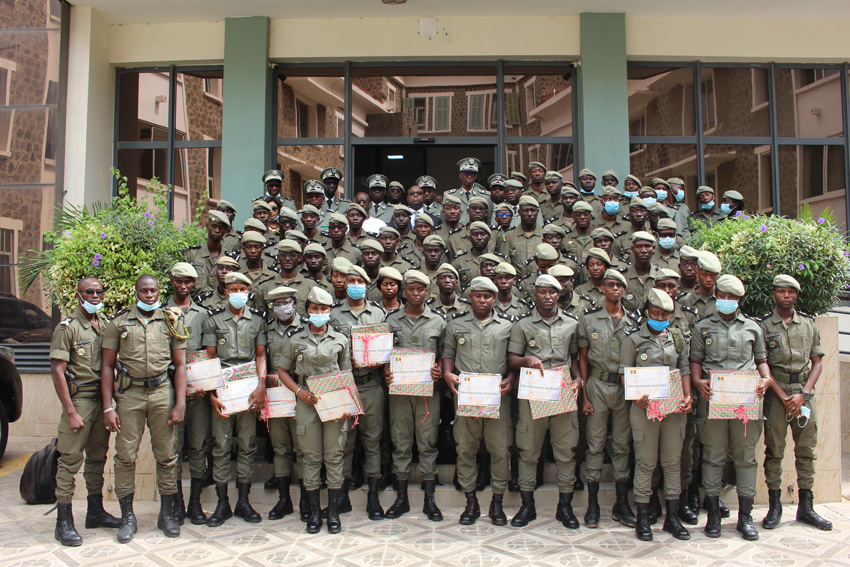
741,413
653,411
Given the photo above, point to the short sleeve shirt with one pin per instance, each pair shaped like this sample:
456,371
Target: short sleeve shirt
194,319
791,347
423,332
732,345
642,348
596,332
77,342
554,342
235,340
477,347
306,354
143,343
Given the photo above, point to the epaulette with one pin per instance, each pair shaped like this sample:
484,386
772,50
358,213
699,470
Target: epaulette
526,276
632,330
66,321
233,254
526,302
494,227
323,233
375,303
680,295
337,304
412,262
458,229
634,315
624,269
215,311
689,309
202,296
464,300
806,315
430,300
373,234
530,260
259,312
452,191
705,316
121,312
526,314
356,245
571,257
294,330
251,296
568,314
240,232
195,247
619,234
459,314
269,243
587,298
550,221
592,309
505,316
439,312
459,254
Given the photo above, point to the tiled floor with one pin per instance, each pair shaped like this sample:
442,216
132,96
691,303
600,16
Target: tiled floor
26,539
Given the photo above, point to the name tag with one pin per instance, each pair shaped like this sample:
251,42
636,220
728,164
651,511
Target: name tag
128,324
82,342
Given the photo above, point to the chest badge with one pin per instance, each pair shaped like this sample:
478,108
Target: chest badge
532,343
630,296
221,341
461,341
299,358
594,336
644,356
81,351
772,344
708,342
124,335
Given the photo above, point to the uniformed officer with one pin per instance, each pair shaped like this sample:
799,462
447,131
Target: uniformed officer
580,238
429,186
610,217
356,216
252,265
688,263
389,283
682,216
794,355
145,340
378,191
508,300
467,263
476,341
667,253
357,310
315,348
236,334
282,319
289,255
262,212
640,276
311,216
469,168
569,300
602,330
338,244
416,417
273,181
596,263
537,182
402,216
653,344
75,362
204,256
393,257
732,204
707,213
521,242
331,177
727,340
214,299
550,205
316,265
451,229
703,297
546,338
197,419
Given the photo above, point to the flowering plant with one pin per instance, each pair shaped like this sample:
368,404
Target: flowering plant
755,248
116,243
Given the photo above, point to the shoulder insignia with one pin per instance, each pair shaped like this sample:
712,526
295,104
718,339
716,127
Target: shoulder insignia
195,247
66,321
121,312
337,304
705,316
430,300
233,254
459,314
634,315
619,234
259,312
570,315
593,309
294,330
550,221
251,296
452,191
526,276
458,229
525,302
215,311
526,314
459,254
439,312
504,316
204,295
690,309
624,269
270,243
571,257
464,300
806,315
587,298
632,330
175,310
325,233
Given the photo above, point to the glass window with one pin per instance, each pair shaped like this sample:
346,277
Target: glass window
301,163
538,101
666,161
739,168
663,98
727,97
556,157
808,103
814,176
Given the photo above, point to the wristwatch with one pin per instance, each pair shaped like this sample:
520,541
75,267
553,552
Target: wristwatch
807,396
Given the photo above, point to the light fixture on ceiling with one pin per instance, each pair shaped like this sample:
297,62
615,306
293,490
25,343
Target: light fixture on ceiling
395,156
393,1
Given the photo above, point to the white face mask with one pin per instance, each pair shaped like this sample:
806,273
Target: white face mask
284,312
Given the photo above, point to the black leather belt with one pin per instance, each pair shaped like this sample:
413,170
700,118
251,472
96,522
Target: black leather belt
149,382
794,377
610,377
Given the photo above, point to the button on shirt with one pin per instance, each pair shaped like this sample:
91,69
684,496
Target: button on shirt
143,344
235,339
732,345
791,347
553,341
306,354
424,332
478,347
602,340
78,342
643,348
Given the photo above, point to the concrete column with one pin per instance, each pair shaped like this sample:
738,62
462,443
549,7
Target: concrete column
603,94
247,112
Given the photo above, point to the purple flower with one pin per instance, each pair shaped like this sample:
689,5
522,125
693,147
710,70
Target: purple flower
147,214
801,267
821,220
847,253
746,217
103,235
763,228
739,213
95,263
97,256
150,223
768,265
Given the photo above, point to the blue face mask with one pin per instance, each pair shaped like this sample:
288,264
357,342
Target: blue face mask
586,192
90,307
657,326
680,196
667,242
727,306
707,206
725,208
649,200
147,308
662,194
238,300
319,319
356,291
612,207
630,194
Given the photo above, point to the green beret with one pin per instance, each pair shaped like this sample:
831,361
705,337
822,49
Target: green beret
415,276
704,189
338,219
281,292
601,232
320,297
519,175
449,199
638,202
288,213
237,277
225,260
288,244
255,224
553,175
708,262
664,224
483,284
660,299
528,200
447,269
396,184
389,230
311,210
504,206
296,235
536,164
599,254
252,236
426,218
358,208
586,171
340,265
634,178
514,183
783,280
615,275
505,269
315,248
372,244
659,208
389,272
688,253
553,228
642,235
659,181
561,271
609,191
354,270
545,280
611,173
582,206
219,217
260,204
225,206
402,209
433,240
183,270
676,181
667,274
476,200
734,195
478,225
727,283
490,257
545,251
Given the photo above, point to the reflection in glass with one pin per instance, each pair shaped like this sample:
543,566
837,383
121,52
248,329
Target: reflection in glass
661,101
735,102
556,157
302,163
743,168
808,103
666,161
812,175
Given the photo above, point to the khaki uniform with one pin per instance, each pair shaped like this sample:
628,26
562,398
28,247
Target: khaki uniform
712,218
144,346
604,389
468,266
368,380
637,287
198,411
300,282
589,290
577,244
641,348
281,429
306,355
789,351
721,345
416,417
520,247
683,319
577,304
705,305
481,348
669,261
235,341
262,281
204,263
464,195
77,342
515,309
232,241
401,263
555,343
460,304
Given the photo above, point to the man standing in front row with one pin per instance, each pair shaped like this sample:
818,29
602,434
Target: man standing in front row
75,363
146,340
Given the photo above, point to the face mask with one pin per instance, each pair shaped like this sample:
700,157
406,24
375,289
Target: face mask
680,196
649,200
725,208
612,207
356,291
587,192
90,307
657,325
319,319
727,306
146,307
661,194
284,312
707,206
630,194
237,300
667,242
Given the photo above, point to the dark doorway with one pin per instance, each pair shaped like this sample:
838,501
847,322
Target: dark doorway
406,162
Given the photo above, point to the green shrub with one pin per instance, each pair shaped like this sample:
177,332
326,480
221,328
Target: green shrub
116,243
757,247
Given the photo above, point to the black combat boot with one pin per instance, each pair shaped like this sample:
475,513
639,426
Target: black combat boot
167,522
97,517
483,479
685,513
303,504
429,507
343,504
806,512
655,510
194,511
643,529
386,477
712,524
693,497
401,504
527,512
591,517
472,511
284,502
271,483
671,521
497,513
356,480
774,512
745,519
334,496
564,513
179,510
621,511
373,503
243,508
128,520
314,512
513,483
65,532
222,511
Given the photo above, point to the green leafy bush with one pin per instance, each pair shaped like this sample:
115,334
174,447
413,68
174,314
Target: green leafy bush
116,243
757,247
